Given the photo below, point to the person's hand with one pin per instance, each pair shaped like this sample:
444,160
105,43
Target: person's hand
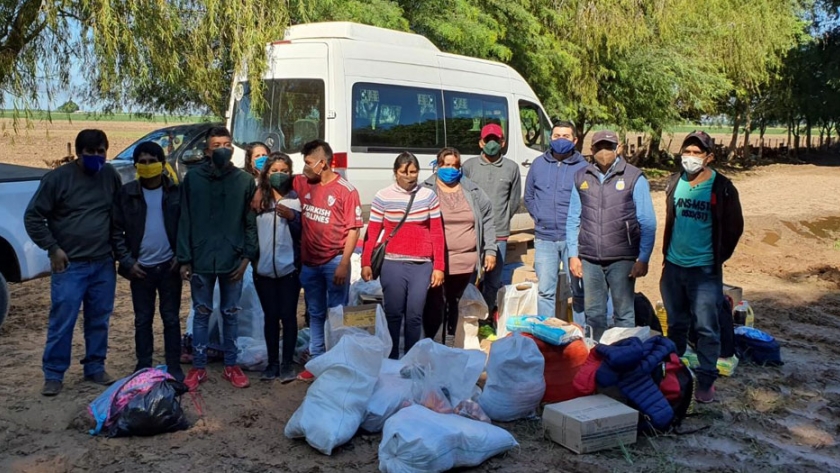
437,278
367,273
240,271
136,272
341,272
186,272
173,265
59,261
576,267
639,270
489,263
284,212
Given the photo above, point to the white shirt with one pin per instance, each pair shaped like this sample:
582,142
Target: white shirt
277,253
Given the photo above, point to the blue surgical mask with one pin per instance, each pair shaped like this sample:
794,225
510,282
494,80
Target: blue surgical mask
260,162
449,175
92,163
562,146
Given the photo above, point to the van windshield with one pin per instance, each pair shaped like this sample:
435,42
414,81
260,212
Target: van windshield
292,114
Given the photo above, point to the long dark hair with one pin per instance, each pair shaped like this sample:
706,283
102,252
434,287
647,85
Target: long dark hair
249,156
405,158
264,184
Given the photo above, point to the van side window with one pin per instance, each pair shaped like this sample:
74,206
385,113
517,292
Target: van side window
389,117
536,129
467,113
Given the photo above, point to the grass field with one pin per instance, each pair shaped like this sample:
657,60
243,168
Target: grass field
44,115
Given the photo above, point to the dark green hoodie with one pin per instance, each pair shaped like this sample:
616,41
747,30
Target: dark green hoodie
217,227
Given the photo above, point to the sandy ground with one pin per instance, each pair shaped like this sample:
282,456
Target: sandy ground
768,419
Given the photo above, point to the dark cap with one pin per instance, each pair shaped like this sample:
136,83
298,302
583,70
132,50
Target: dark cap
702,138
605,135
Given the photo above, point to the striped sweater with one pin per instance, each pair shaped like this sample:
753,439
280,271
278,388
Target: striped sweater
420,237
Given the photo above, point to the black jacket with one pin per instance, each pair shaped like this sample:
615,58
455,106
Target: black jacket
727,218
129,222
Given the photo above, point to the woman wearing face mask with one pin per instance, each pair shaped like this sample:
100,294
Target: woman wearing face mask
276,269
256,154
414,255
470,236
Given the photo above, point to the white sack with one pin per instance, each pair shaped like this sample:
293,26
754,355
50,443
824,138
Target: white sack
513,300
515,379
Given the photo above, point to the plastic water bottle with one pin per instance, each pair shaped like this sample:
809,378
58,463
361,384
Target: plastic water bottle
744,314
662,315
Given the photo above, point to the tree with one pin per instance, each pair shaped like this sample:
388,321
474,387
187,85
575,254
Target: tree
68,107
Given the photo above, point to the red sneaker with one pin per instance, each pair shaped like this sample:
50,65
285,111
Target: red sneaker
236,377
195,377
305,375
705,396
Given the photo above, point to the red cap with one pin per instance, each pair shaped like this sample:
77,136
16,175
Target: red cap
492,130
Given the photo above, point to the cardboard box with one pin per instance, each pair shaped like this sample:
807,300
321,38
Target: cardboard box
591,423
528,257
362,316
523,274
517,247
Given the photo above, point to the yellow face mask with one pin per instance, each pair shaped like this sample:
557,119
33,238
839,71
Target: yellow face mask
149,171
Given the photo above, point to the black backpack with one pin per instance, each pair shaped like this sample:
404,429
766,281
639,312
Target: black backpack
645,313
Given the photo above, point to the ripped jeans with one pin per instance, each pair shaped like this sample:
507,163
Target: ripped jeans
202,286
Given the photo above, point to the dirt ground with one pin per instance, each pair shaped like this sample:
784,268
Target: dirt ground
767,419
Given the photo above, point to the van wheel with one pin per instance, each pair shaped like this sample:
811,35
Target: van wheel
4,299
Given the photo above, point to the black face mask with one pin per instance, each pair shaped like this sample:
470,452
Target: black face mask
221,158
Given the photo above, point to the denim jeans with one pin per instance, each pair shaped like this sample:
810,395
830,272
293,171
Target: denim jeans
163,281
84,283
691,296
404,288
320,294
547,258
601,281
279,301
493,279
202,287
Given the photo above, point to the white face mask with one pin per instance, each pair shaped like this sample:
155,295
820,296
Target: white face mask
692,164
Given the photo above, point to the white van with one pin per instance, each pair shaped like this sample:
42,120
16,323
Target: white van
373,93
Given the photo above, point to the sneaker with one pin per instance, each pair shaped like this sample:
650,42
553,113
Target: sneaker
287,373
102,378
705,396
271,372
51,387
305,375
195,377
236,377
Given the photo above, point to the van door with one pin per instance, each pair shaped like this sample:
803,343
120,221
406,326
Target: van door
535,133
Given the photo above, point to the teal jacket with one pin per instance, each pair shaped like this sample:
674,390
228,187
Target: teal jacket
217,228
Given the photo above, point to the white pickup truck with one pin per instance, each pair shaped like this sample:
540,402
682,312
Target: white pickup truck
20,259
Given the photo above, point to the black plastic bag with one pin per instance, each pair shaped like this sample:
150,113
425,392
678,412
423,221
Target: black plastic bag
156,412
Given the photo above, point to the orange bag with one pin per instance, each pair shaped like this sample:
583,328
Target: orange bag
561,366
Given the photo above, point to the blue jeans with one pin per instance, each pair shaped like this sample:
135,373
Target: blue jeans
320,294
601,281
202,287
91,283
493,279
692,295
547,258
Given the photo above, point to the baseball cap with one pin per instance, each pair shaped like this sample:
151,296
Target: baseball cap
605,135
702,138
492,129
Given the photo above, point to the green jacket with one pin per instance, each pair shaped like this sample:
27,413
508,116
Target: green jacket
217,228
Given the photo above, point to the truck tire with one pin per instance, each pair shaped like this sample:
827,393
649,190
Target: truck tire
4,299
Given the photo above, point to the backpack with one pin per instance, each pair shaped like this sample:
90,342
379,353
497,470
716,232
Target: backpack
678,384
754,346
645,314
145,403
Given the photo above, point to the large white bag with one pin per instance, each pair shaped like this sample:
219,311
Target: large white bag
336,402
514,300
391,393
334,329
453,368
416,439
471,308
515,379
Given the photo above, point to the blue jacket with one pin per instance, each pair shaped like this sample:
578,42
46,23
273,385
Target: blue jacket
630,364
548,191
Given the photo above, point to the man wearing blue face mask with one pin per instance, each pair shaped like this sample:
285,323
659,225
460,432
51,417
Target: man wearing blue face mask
703,223
217,239
548,190
70,217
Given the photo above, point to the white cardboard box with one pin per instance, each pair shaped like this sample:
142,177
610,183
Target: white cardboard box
591,423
